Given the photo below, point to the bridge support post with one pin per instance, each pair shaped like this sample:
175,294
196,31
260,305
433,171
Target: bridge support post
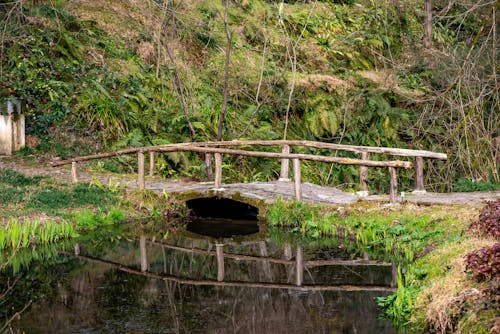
363,176
140,173
285,164
297,179
394,185
299,266
74,172
208,166
151,164
220,262
419,176
218,170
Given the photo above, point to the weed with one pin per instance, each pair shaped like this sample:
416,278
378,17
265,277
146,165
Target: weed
16,179
467,185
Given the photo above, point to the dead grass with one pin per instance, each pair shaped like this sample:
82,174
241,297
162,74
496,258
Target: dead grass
442,301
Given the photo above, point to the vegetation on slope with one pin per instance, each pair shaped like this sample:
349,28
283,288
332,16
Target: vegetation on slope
150,72
449,272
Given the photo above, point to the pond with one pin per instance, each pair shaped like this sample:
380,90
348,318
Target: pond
202,279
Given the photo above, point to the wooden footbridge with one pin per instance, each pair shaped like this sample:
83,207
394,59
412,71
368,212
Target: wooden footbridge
214,151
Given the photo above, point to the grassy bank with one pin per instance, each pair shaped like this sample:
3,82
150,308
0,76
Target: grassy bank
438,290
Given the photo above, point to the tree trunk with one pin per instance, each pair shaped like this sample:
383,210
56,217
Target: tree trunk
428,24
226,73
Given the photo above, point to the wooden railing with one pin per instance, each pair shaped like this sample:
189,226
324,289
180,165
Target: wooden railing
217,149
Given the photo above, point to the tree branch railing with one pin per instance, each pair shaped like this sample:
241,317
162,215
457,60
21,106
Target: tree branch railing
219,148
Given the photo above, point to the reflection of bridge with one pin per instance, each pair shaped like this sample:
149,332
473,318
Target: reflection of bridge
297,263
218,149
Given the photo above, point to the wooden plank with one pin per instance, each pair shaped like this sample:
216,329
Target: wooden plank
285,164
151,164
297,182
394,185
74,172
363,173
141,183
419,175
218,170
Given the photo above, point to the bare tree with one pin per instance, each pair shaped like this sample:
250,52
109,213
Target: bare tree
226,72
428,24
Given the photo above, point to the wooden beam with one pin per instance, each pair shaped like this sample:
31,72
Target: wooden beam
74,172
141,183
285,164
297,182
218,170
151,164
343,161
305,143
419,176
394,185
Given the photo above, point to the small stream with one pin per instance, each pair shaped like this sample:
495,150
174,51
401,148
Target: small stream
202,279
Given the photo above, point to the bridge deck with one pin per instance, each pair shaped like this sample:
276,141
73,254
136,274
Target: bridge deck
267,191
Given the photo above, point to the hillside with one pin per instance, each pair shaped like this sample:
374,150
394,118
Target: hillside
106,75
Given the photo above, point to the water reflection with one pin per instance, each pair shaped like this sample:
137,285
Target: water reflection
184,284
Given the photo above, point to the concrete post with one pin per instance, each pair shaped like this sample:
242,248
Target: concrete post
12,125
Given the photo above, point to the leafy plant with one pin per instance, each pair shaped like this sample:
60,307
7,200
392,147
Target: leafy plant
488,222
467,185
484,264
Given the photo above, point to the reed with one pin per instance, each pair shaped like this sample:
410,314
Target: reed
21,234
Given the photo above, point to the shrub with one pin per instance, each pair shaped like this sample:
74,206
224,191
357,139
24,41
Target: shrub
489,220
484,263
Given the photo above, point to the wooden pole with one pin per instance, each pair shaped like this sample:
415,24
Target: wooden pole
151,164
140,173
208,166
220,262
74,173
299,266
77,249
144,258
287,252
285,164
363,175
394,184
218,170
419,176
297,179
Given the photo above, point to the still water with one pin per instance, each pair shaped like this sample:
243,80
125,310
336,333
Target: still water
195,280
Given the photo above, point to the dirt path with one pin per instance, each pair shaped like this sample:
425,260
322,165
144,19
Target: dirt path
266,191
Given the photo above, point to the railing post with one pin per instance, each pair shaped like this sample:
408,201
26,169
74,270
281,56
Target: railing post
151,164
394,184
299,266
208,166
140,173
363,176
74,172
218,170
285,164
419,176
297,179
220,262
144,257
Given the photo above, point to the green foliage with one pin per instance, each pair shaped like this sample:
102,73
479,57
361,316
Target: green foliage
398,307
467,185
89,220
16,179
17,234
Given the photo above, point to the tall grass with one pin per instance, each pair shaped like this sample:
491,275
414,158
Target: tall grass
16,234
